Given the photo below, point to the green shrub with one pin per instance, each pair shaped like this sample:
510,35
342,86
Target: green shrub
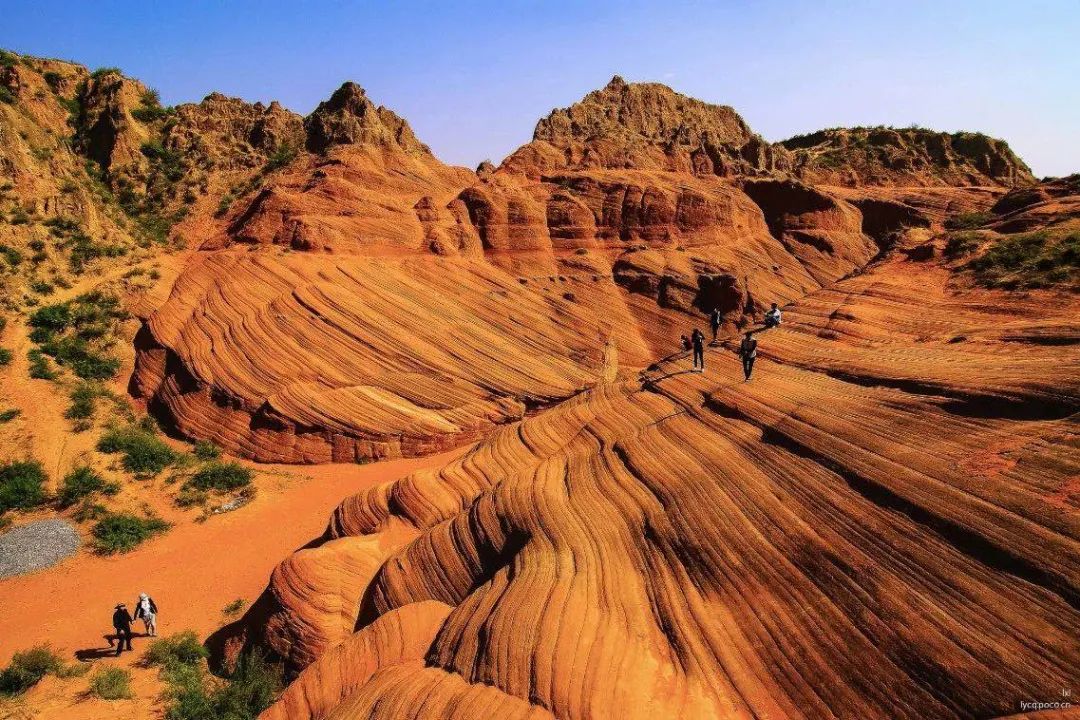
83,482
89,511
11,255
52,317
27,668
206,450
22,485
8,59
224,205
83,400
962,243
121,532
144,453
1029,260
5,356
183,648
234,608
969,220
7,416
39,366
6,96
53,79
102,72
284,155
111,683
221,476
251,688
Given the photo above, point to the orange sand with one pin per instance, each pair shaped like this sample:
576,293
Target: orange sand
192,572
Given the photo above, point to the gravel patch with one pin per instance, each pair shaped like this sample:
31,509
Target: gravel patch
35,546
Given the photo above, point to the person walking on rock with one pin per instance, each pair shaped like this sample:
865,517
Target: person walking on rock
748,353
773,317
698,339
715,320
121,621
146,609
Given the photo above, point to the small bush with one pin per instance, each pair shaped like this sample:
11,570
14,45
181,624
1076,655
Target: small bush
968,221
6,96
281,157
22,485
5,356
234,608
12,256
111,683
39,366
8,58
121,532
183,648
89,511
144,453
83,400
27,668
53,79
224,205
206,450
251,688
83,482
102,72
52,317
8,415
221,476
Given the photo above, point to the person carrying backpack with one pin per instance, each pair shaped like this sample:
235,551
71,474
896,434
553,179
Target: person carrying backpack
146,609
698,340
748,353
121,621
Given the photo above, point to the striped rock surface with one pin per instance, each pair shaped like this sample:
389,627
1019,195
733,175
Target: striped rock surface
882,523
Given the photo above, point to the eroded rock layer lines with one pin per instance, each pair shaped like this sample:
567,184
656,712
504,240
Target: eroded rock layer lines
368,301
882,523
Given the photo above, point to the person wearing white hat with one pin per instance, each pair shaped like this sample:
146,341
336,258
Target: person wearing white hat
146,609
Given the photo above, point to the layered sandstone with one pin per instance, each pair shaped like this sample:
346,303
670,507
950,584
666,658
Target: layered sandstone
694,546
403,267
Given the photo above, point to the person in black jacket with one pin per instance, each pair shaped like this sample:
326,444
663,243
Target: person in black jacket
716,319
121,621
698,340
146,609
748,353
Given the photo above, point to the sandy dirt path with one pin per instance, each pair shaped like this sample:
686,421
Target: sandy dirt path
192,572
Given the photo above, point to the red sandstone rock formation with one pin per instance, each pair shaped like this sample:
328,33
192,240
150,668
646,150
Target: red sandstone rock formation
657,239
696,546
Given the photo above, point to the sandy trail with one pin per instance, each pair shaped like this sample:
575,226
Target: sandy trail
192,572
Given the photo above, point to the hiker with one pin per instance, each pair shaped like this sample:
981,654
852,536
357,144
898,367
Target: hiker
686,344
715,320
772,317
698,339
146,609
121,621
748,353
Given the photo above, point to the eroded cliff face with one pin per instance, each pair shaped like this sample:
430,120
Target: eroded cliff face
534,272
880,524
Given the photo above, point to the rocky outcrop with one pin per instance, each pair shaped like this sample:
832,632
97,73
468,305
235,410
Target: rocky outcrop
646,126
904,157
349,117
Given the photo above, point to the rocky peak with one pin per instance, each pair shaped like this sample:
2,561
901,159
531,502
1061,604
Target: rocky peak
107,131
349,117
650,126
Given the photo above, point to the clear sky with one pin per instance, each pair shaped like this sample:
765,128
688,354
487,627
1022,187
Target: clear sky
472,78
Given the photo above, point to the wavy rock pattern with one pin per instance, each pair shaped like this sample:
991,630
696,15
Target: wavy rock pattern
695,546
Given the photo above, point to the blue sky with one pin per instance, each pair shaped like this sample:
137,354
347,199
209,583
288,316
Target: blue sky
473,77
